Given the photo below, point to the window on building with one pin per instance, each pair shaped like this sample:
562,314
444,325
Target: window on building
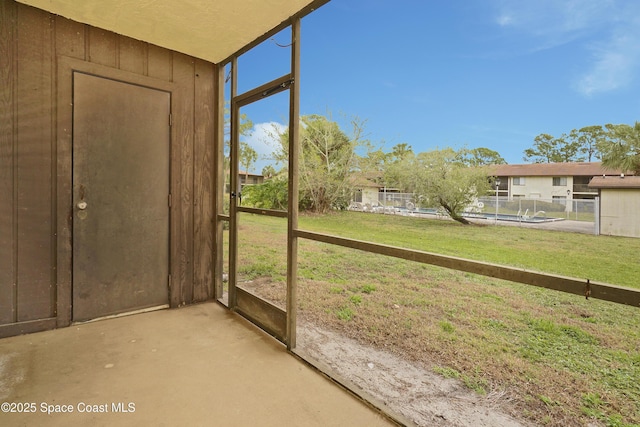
518,180
559,181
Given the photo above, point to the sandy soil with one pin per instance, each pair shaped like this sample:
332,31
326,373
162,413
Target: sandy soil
412,391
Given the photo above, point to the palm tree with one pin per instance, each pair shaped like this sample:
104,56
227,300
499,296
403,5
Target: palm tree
621,150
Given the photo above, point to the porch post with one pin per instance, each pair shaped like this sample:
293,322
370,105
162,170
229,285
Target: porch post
294,149
218,261
234,186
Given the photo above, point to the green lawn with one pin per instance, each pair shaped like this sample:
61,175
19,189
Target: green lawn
614,260
560,359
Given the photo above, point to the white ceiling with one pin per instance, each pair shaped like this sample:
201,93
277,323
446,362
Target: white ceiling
208,29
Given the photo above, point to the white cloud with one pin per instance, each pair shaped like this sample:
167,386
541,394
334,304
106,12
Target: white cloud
504,20
264,139
553,22
615,63
615,56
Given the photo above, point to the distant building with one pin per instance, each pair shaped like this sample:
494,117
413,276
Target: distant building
560,181
244,179
250,178
365,191
368,194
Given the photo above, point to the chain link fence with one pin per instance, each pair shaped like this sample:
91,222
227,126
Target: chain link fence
531,210
560,208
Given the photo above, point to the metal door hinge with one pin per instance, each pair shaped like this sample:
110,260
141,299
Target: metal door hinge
169,200
170,119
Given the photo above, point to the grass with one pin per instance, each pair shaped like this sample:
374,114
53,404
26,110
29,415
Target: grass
614,260
561,359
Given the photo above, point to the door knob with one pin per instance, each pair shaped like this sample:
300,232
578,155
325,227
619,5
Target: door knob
82,205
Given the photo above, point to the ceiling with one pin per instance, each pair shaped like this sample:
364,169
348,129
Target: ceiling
208,29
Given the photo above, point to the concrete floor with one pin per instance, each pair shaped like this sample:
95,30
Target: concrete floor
194,366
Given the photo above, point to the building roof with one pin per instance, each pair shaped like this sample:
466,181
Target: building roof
244,173
212,30
363,182
554,169
620,181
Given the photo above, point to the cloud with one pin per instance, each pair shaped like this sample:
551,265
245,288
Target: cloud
264,140
504,20
550,23
615,64
608,29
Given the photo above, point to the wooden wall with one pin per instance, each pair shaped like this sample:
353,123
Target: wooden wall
35,211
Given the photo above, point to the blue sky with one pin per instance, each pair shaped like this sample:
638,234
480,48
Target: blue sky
475,73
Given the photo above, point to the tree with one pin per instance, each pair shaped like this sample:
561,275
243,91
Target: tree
268,171
400,151
327,159
246,127
247,156
272,194
548,149
372,164
589,138
443,179
375,163
482,157
621,149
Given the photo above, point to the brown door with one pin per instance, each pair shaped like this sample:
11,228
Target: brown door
121,138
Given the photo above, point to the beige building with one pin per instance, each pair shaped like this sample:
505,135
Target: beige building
250,178
562,181
620,204
367,191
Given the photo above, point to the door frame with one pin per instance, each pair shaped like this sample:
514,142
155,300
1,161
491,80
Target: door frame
143,186
276,321
260,311
63,190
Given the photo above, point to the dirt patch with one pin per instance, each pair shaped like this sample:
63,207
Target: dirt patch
408,389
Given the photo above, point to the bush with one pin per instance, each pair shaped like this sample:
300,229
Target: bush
272,194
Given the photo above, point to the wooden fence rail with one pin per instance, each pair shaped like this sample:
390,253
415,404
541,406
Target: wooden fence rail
583,287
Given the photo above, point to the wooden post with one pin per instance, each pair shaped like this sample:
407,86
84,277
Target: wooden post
219,186
294,149
233,186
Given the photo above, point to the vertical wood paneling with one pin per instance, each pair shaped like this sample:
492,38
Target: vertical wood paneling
36,164
70,38
182,176
35,263
203,188
159,63
133,55
7,170
64,114
103,47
